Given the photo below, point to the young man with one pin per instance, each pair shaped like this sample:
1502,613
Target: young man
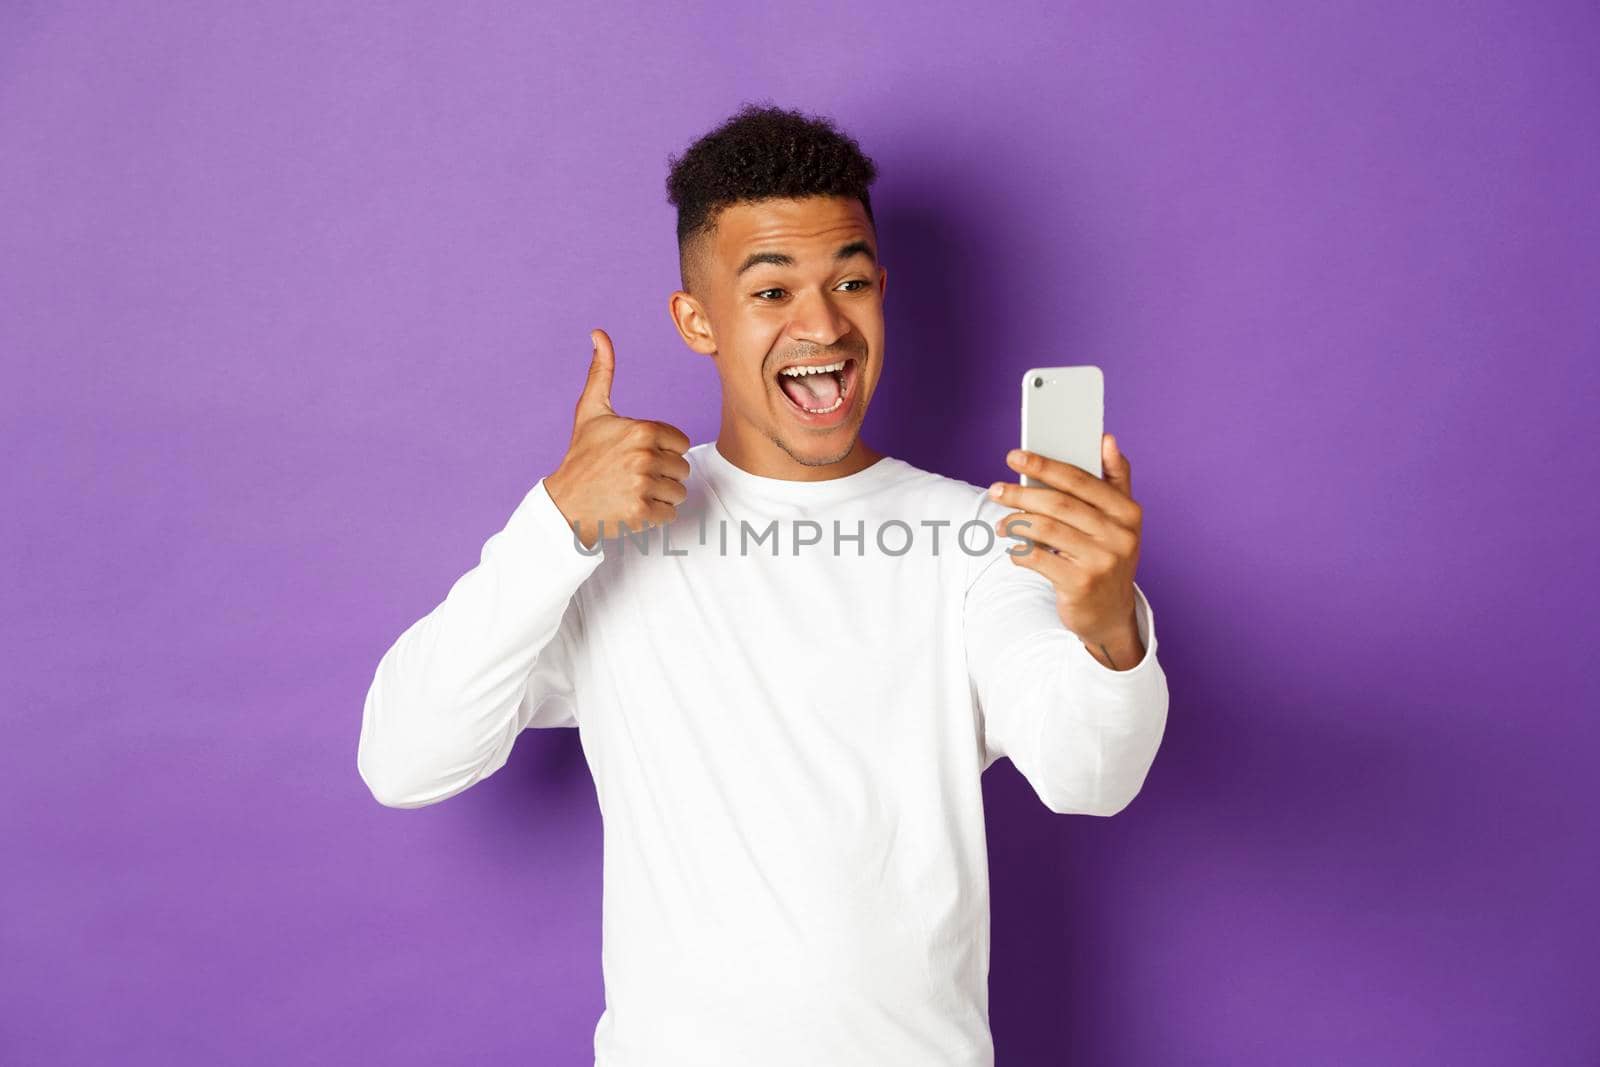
791,674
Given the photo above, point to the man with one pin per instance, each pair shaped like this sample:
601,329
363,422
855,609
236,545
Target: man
786,739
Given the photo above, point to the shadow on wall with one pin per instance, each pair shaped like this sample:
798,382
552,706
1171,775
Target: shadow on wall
944,402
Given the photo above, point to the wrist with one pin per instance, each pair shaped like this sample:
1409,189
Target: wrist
556,487
1119,649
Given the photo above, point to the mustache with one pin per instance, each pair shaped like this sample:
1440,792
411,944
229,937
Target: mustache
855,349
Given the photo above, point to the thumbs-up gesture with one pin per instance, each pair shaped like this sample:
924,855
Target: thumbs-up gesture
617,470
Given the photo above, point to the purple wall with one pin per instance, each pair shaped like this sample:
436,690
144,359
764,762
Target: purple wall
293,309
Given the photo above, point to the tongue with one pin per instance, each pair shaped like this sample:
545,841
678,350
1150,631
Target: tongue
811,390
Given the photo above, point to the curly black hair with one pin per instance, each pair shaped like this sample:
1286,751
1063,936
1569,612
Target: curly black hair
763,152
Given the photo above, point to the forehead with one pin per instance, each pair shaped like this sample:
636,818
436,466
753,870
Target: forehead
806,229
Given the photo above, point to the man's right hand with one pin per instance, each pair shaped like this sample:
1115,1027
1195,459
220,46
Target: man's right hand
622,471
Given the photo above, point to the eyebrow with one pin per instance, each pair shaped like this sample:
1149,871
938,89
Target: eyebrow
783,259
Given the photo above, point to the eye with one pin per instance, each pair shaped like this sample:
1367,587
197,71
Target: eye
860,282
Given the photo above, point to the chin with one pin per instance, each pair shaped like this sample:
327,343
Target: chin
820,450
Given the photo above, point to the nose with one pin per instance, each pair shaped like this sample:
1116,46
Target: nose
816,320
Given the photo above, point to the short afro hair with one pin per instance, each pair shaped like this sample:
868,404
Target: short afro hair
763,152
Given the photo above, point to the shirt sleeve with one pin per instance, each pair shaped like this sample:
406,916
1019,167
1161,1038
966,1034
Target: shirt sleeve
455,689
1082,734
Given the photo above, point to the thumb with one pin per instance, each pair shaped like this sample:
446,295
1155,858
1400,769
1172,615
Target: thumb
596,396
1118,471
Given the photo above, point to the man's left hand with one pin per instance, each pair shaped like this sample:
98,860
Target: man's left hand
1082,533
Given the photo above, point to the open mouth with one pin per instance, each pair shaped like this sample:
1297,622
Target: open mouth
816,391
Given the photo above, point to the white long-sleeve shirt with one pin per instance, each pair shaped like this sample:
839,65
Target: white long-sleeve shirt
786,698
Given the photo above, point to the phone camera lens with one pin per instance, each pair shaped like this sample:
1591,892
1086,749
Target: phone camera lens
1037,382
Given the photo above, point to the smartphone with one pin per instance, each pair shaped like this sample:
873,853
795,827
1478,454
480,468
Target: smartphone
1063,415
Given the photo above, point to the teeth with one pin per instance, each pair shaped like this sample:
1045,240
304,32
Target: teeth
796,372
831,407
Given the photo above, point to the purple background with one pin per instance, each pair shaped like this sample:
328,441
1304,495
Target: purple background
294,302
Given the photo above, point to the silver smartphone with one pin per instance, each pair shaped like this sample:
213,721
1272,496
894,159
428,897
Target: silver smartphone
1063,415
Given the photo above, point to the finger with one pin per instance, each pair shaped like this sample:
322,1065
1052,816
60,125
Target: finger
1119,472
1053,502
596,396
668,436
667,490
1080,559
1060,569
1042,531
669,464
1070,478
659,512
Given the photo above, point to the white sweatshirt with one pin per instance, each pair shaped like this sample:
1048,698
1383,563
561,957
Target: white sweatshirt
786,746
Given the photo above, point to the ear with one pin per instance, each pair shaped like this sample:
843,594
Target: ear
693,324
883,282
